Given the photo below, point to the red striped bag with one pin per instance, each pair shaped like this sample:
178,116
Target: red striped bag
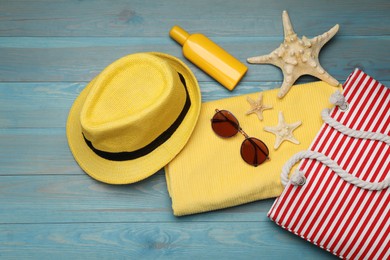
339,198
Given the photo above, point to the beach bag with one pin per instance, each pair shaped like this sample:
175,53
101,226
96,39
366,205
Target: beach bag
339,197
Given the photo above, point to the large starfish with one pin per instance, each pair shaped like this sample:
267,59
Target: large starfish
283,131
297,57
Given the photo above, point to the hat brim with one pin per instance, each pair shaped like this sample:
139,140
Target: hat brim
130,171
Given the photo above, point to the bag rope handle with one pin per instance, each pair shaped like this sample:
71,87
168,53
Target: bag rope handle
298,178
352,132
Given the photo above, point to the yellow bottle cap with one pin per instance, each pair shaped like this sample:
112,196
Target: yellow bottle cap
179,34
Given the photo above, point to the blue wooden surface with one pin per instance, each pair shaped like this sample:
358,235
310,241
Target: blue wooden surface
50,49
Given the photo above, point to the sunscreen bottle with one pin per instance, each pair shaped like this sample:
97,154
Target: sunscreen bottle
211,58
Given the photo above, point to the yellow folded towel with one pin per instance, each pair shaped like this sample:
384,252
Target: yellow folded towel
209,173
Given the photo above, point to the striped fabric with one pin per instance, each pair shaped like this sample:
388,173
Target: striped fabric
350,222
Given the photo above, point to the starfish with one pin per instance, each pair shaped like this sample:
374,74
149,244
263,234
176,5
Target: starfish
297,57
257,106
283,131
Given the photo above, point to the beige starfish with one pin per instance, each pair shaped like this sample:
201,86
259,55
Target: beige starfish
257,106
297,57
283,131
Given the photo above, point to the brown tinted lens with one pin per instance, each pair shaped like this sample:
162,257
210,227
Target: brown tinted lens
224,123
254,151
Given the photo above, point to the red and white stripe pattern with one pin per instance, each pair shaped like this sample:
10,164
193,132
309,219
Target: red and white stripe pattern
350,222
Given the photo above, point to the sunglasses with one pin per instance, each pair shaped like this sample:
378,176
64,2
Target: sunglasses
253,150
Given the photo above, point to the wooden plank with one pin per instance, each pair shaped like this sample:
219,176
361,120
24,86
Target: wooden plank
81,59
59,198
35,151
41,105
47,104
179,240
150,18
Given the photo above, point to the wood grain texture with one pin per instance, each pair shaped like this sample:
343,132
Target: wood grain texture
75,198
148,18
46,104
181,240
81,59
50,50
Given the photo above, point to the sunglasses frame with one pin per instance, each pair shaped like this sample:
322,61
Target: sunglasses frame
237,126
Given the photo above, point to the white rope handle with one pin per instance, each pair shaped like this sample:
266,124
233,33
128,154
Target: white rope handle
352,132
298,178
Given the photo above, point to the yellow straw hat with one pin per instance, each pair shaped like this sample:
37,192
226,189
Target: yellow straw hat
134,117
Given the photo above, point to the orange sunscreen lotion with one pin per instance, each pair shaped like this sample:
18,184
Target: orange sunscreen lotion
211,58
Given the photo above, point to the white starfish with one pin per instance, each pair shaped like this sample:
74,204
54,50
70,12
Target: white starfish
283,131
257,106
297,57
